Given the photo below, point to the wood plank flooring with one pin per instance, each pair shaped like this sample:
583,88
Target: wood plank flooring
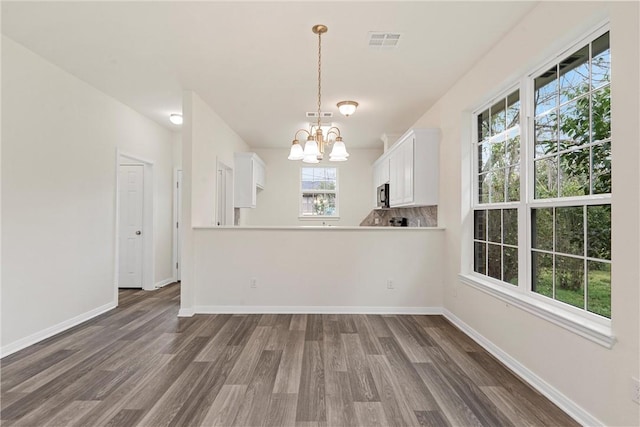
141,365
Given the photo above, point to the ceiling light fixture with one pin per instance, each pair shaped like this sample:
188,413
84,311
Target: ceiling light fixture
313,150
176,119
347,108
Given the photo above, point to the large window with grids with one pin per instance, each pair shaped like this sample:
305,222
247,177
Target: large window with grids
549,233
318,192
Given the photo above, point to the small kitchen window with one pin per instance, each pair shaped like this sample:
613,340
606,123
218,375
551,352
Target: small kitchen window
318,192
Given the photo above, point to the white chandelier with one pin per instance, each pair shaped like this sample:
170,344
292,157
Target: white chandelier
313,150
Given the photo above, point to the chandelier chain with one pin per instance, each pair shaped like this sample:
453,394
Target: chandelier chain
319,75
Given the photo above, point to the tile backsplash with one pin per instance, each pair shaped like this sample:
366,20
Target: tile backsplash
425,216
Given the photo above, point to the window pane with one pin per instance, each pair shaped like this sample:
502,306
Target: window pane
574,75
601,173
497,148
570,230
479,225
483,188
546,91
570,280
574,123
495,225
510,226
483,126
599,231
513,183
546,178
497,186
479,257
318,204
546,134
513,109
599,288
484,157
498,117
601,62
495,261
574,173
601,113
510,272
542,273
542,232
513,148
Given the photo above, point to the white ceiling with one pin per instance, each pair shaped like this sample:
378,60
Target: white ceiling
255,64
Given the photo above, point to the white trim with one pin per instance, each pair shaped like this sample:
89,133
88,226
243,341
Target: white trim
554,395
148,254
591,330
311,309
165,282
55,329
186,312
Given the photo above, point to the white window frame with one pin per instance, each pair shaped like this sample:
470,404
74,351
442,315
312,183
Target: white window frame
336,192
589,325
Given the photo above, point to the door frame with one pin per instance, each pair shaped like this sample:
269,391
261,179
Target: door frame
177,206
223,168
148,248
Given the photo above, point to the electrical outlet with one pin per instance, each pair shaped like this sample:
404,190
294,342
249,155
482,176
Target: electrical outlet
635,390
390,284
253,282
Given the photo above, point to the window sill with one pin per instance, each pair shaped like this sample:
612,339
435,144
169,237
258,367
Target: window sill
591,330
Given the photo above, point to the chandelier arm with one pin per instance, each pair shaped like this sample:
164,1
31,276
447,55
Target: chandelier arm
334,130
301,130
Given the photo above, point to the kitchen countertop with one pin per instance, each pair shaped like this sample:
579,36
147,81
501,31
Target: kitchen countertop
320,227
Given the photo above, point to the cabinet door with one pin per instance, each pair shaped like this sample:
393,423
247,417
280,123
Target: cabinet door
396,177
407,190
384,172
258,170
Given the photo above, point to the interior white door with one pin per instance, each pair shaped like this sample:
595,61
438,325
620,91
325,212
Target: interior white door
131,198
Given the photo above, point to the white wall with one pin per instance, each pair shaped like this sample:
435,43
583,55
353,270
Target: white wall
279,202
593,377
317,270
205,139
60,137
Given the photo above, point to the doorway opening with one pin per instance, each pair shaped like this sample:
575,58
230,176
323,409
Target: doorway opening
177,215
224,205
134,249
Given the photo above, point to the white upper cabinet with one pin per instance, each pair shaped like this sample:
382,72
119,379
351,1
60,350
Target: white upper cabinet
248,178
412,169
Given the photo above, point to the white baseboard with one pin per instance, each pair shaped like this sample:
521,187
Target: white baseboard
563,402
268,309
186,312
53,330
164,282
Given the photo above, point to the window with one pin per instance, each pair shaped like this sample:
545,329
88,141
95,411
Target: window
319,192
498,182
549,236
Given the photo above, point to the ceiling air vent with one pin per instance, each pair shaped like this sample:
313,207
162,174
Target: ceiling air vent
323,114
379,40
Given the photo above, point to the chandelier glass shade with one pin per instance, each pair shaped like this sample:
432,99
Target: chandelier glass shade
314,147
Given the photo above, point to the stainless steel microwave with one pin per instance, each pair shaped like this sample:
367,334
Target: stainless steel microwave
383,196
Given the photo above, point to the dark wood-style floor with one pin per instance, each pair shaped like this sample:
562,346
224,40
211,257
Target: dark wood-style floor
140,365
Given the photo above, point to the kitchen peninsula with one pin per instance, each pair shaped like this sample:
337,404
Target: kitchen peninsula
316,269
